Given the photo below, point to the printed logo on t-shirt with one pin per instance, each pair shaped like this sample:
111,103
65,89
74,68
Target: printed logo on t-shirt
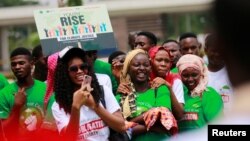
190,116
225,98
91,128
224,92
31,118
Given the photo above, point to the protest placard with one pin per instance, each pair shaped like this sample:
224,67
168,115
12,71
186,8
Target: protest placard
88,27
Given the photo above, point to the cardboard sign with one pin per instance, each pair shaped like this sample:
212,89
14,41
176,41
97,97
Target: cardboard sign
87,27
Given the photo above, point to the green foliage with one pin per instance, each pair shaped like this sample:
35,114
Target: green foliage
8,3
23,36
74,3
177,24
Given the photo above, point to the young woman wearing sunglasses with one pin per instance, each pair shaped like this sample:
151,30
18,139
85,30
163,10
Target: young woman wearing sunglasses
78,112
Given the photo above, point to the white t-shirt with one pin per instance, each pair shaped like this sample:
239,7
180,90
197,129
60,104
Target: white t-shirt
104,79
178,90
220,82
92,127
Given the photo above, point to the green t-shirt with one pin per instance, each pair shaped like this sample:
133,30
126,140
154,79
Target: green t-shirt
33,108
105,68
174,70
3,81
200,110
147,100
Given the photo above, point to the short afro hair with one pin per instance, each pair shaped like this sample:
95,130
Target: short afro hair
149,35
37,51
170,40
21,51
114,55
187,35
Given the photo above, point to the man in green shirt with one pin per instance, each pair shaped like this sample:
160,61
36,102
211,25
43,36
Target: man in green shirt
3,81
21,102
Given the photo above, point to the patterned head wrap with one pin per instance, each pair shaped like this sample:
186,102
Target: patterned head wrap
152,52
197,63
125,76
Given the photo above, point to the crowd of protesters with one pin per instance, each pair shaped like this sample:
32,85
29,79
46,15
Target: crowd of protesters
152,92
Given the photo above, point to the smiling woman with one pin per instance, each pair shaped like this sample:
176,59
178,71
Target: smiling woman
138,98
202,104
77,109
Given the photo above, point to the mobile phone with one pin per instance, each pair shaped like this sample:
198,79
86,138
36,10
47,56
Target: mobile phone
87,79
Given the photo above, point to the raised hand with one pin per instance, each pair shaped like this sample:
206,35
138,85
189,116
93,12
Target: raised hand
83,96
87,82
20,97
116,68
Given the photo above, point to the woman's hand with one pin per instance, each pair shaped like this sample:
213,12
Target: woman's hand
90,102
116,68
83,97
130,124
124,88
151,116
158,81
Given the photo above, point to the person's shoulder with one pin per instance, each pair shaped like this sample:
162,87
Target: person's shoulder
162,89
102,76
163,86
107,90
211,92
40,84
102,67
10,86
178,81
9,89
101,62
174,70
1,76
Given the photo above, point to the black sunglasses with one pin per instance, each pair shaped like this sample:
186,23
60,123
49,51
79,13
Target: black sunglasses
75,68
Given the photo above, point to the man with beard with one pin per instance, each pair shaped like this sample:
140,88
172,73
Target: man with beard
21,102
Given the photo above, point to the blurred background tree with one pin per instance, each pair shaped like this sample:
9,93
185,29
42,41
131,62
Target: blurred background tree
74,3
27,35
175,24
8,3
